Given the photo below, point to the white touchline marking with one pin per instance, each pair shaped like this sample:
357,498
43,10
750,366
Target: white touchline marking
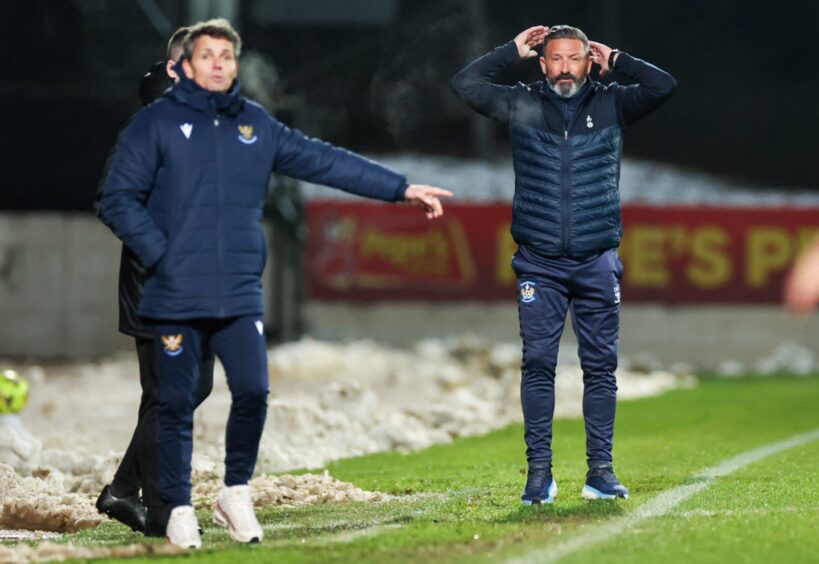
694,513
349,536
661,504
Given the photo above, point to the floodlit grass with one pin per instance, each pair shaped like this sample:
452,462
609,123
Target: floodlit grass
459,502
767,512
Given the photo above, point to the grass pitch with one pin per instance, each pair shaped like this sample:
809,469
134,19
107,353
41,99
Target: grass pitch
460,502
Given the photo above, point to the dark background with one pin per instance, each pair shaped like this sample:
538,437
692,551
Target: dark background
745,107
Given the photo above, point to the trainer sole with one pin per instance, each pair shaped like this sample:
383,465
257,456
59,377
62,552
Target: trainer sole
551,499
591,493
190,546
221,519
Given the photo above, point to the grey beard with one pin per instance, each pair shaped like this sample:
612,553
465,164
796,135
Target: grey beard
566,91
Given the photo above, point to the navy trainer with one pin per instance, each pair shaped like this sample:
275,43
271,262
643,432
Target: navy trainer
540,486
601,483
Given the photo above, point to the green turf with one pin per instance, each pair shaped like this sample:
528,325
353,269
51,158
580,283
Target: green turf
459,502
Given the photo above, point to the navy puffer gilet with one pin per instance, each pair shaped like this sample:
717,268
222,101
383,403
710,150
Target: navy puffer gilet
566,152
569,210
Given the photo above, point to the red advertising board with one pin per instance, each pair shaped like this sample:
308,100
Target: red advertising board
671,254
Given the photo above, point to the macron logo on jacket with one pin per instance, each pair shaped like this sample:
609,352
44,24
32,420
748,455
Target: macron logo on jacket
186,129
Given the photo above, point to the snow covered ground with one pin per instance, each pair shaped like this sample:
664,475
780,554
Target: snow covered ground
328,401
640,182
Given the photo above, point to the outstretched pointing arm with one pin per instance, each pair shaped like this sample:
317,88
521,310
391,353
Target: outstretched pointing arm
316,161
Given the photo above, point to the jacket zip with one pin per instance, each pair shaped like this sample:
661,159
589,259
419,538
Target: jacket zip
566,188
219,197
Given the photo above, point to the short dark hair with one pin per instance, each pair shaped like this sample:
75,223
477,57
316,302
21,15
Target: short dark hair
219,28
175,43
566,32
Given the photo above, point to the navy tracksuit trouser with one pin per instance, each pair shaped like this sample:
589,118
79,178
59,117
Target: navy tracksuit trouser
139,466
239,343
548,287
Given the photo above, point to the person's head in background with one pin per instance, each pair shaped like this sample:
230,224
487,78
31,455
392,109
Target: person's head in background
175,50
161,74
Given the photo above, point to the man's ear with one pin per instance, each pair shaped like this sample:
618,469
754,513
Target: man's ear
169,70
589,64
543,66
186,66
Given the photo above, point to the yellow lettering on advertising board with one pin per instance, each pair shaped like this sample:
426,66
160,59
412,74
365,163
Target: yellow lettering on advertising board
650,251
506,248
646,257
710,267
769,250
424,253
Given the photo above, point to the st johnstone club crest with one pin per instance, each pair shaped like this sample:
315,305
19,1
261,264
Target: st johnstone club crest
246,135
527,292
173,344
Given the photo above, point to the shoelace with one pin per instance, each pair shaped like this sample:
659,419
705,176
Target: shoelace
606,474
536,478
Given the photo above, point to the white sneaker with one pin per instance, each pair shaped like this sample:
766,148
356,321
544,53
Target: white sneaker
183,528
234,510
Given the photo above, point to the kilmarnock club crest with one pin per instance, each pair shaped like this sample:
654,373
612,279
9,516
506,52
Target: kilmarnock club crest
527,292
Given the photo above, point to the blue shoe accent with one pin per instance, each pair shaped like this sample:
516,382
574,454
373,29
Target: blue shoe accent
601,483
593,493
540,487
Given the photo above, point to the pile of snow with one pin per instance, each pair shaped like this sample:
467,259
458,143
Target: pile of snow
328,401
43,503
640,182
53,552
21,449
787,358
287,490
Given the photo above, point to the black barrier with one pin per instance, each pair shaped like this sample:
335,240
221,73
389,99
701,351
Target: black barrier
284,274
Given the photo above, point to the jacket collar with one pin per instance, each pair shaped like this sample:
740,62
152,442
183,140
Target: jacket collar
187,92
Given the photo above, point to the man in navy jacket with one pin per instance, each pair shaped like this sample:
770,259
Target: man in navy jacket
137,471
185,192
567,136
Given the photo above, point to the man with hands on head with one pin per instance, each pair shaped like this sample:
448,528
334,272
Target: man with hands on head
567,134
185,192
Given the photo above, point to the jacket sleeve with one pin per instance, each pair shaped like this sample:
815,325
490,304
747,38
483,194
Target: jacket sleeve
474,83
652,86
122,203
313,160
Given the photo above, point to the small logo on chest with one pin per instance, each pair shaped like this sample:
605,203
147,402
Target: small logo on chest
186,129
246,135
589,122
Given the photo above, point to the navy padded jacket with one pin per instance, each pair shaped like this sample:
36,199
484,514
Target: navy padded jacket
185,191
567,164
